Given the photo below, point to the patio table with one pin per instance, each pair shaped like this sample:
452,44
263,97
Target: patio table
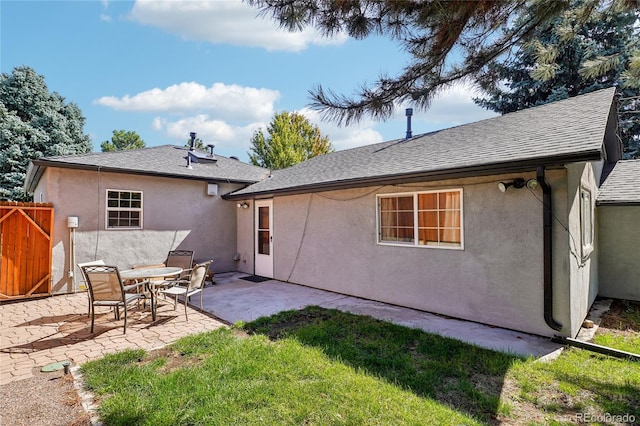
150,274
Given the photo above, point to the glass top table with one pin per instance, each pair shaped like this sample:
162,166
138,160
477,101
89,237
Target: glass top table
150,273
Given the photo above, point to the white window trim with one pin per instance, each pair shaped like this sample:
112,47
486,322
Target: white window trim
586,249
107,209
415,220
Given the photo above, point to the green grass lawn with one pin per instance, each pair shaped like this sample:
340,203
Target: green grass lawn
319,366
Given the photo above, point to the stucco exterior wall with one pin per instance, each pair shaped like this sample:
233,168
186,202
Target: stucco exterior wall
177,214
583,261
619,234
497,279
245,237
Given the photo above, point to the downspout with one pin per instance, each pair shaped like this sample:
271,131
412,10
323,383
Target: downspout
547,249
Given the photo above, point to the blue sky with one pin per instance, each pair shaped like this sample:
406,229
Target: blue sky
166,68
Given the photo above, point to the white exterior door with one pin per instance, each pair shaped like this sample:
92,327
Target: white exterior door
264,238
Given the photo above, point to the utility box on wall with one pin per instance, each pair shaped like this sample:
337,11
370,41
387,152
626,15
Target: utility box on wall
72,222
212,189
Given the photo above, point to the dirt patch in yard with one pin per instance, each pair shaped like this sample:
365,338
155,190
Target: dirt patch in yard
623,318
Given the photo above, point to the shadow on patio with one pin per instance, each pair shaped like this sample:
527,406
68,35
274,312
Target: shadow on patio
38,332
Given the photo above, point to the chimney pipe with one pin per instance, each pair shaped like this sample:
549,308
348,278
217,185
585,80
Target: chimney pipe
408,113
192,144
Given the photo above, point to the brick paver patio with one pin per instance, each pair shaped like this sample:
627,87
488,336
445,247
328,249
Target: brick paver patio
34,333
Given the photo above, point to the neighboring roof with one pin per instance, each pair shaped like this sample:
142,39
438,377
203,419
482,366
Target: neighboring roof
166,160
558,133
621,186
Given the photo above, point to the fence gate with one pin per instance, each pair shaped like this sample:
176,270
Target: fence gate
25,245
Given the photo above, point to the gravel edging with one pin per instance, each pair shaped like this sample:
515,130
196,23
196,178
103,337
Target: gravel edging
87,398
46,399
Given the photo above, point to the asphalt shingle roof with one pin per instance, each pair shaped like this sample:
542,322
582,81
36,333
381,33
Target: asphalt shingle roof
621,186
165,160
571,128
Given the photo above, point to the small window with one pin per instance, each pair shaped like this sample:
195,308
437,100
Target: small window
586,222
429,219
124,209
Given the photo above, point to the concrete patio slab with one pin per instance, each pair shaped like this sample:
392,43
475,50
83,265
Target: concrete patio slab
233,299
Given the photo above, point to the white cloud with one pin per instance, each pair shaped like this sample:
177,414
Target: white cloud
235,139
227,116
229,139
455,106
225,101
342,138
105,18
231,22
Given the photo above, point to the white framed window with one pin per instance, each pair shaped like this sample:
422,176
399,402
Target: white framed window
586,222
124,209
421,219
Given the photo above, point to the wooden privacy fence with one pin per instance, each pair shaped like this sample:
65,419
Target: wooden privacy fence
25,245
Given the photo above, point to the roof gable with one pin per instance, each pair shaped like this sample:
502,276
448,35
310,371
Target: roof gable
566,131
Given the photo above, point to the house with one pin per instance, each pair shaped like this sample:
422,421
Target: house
493,221
618,219
453,222
134,206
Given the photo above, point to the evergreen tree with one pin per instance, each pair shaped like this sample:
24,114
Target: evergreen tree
198,145
33,123
447,41
567,58
291,139
123,140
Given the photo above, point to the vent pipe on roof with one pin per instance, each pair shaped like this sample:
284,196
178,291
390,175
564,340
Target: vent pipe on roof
192,144
408,113
211,146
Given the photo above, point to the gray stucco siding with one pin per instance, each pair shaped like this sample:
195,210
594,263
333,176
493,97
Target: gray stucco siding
496,279
582,261
178,213
619,234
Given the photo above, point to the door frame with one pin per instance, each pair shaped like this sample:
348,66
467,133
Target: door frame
263,263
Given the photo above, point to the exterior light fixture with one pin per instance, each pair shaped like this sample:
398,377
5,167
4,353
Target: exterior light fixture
243,205
532,184
516,183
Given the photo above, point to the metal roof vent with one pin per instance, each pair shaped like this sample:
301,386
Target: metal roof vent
408,113
211,146
192,144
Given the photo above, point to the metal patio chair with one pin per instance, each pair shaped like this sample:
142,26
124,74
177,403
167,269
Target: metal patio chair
92,263
188,287
180,259
107,289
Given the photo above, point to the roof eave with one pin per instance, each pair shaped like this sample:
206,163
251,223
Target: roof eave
611,203
61,164
443,174
33,175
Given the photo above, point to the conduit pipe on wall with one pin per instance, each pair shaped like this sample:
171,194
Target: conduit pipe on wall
596,348
547,249
72,224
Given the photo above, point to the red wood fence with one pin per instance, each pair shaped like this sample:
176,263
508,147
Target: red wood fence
25,245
